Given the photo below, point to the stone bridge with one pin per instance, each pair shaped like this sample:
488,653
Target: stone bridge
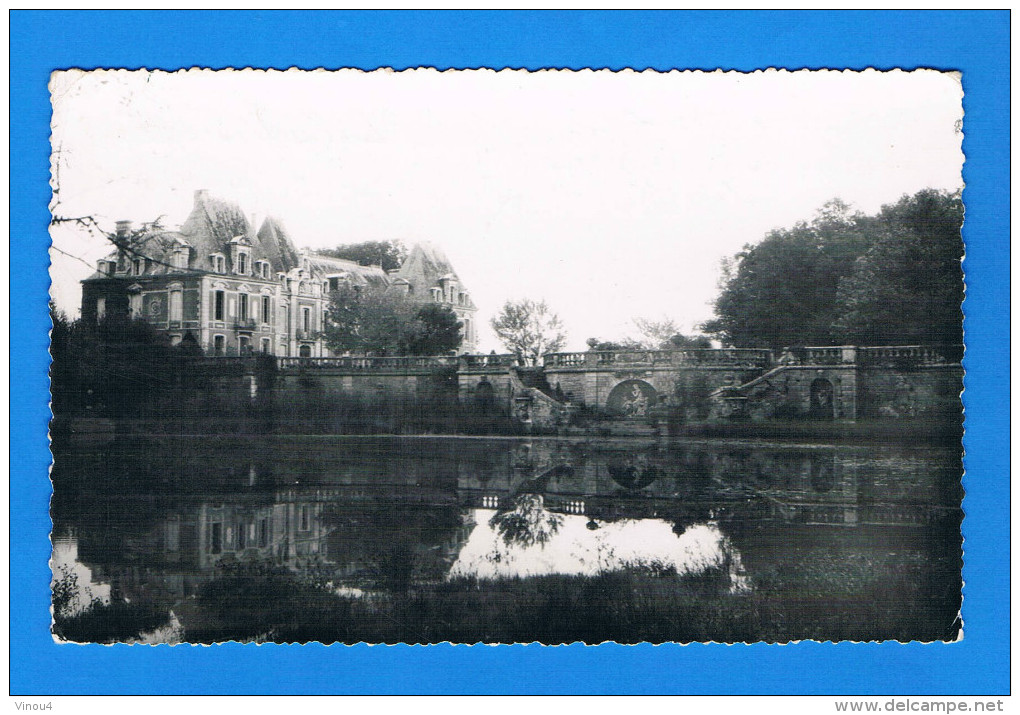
826,383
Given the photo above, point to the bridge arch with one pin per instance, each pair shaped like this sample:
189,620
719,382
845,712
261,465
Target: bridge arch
631,399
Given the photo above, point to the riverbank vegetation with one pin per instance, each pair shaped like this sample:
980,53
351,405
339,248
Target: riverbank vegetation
829,596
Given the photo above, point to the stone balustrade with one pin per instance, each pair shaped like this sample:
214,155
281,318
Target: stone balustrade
398,364
729,357
898,356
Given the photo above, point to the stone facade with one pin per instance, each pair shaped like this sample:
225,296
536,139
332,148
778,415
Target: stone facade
234,290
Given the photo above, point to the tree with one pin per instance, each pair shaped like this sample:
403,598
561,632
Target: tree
529,329
376,320
597,344
436,331
665,335
782,290
908,287
388,254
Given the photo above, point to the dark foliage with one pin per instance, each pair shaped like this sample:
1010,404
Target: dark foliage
908,287
382,322
893,278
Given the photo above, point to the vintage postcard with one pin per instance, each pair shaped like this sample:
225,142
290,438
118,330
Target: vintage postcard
502,357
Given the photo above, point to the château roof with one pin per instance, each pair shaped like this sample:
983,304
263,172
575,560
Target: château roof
353,271
425,267
276,245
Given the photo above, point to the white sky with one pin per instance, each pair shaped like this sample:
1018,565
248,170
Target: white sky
612,196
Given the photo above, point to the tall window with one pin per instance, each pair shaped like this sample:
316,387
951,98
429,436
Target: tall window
242,263
137,265
215,538
100,308
219,345
243,345
219,305
242,306
265,345
306,319
267,309
135,305
176,305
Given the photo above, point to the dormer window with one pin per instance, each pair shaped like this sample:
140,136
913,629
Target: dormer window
219,263
437,295
138,266
242,262
107,268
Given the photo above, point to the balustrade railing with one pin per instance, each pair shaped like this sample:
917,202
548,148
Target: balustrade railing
894,356
394,364
732,357
829,355
898,355
479,361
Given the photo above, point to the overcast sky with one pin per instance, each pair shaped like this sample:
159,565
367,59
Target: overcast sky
611,196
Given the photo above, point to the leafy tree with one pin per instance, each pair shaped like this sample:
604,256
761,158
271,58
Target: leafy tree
625,344
436,331
688,342
782,291
375,320
529,329
388,254
908,287
116,367
368,320
665,335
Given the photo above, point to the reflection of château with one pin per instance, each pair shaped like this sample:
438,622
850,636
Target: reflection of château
348,509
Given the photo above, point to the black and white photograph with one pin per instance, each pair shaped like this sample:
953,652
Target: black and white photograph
501,357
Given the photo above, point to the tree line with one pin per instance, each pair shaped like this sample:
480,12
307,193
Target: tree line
849,278
892,278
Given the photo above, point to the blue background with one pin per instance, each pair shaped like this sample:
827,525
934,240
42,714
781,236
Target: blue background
976,43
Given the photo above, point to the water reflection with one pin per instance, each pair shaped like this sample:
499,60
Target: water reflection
381,518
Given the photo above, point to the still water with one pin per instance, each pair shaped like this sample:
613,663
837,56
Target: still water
427,540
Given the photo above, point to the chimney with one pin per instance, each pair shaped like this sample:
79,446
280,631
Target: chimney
123,228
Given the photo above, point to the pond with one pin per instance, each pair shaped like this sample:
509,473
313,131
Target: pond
431,539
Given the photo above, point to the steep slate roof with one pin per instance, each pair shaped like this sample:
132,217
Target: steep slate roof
424,267
276,245
355,272
211,226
